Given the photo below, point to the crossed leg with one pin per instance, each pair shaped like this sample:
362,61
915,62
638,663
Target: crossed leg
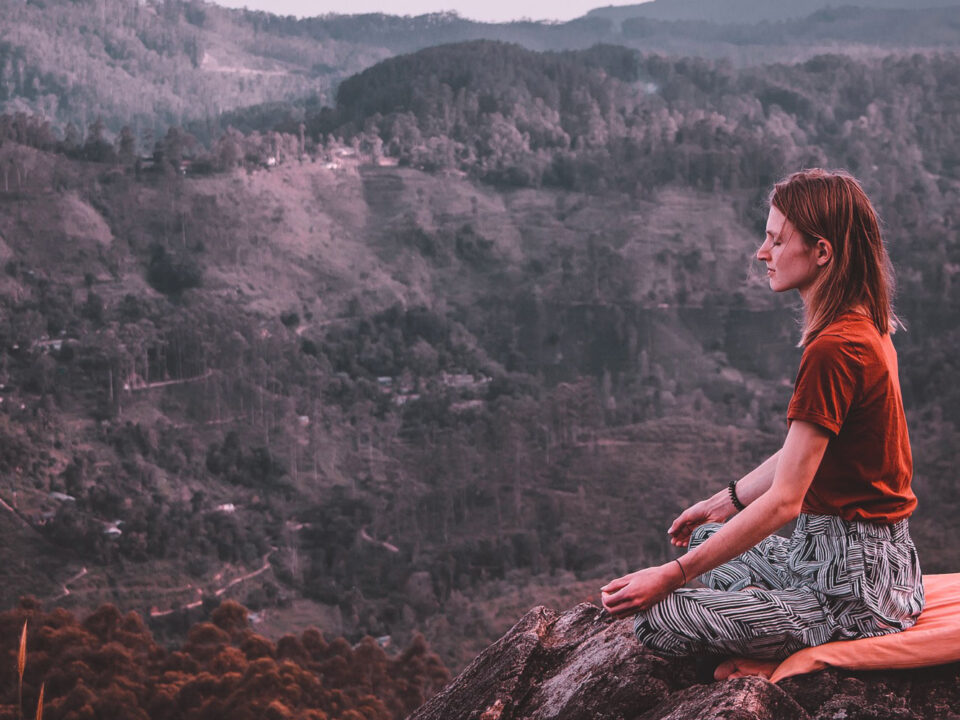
768,620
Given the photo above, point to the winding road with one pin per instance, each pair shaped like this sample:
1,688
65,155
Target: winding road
155,612
66,583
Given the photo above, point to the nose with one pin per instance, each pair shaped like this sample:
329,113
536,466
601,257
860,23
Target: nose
763,252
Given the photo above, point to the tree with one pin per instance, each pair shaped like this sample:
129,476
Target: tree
96,148
126,146
170,274
229,150
71,139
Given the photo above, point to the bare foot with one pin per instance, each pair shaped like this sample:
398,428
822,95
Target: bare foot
744,667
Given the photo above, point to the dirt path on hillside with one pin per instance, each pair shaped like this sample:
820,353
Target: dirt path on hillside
168,383
604,442
66,585
19,517
155,612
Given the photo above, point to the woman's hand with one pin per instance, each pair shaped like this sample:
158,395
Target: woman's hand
716,509
640,590
719,508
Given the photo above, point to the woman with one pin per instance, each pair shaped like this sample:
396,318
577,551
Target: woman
850,569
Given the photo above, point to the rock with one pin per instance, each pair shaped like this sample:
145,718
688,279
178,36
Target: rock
574,665
583,665
750,698
923,694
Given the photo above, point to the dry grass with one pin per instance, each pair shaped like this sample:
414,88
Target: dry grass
39,715
21,666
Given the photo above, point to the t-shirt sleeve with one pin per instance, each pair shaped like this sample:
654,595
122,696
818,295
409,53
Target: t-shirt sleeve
827,383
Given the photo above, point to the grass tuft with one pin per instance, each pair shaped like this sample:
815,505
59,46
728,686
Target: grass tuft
40,703
21,666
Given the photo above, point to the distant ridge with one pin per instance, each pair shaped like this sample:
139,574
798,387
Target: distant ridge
750,11
151,64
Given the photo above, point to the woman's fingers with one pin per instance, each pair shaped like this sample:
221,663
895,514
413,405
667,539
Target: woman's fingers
614,585
623,607
637,591
682,521
686,522
617,606
623,595
616,592
681,536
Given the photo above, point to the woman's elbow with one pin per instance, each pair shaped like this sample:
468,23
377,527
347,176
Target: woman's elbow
786,499
783,506
788,509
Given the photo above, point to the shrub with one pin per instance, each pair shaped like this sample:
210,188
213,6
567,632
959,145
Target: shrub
170,274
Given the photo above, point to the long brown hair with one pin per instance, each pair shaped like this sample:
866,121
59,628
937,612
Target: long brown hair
831,205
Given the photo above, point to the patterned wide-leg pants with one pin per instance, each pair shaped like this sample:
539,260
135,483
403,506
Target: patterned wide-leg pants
833,579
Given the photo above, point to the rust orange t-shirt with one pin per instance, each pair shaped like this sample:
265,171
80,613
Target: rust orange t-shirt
848,383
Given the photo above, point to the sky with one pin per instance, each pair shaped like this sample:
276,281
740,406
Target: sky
485,10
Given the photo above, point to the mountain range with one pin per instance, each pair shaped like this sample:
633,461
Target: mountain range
388,341
153,64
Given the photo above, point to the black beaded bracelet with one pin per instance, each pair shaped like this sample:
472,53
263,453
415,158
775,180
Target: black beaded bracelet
732,488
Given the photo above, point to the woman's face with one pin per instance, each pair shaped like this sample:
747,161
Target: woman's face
791,263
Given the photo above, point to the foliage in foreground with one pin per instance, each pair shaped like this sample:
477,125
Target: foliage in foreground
108,666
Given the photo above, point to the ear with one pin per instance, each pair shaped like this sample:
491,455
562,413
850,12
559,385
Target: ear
824,251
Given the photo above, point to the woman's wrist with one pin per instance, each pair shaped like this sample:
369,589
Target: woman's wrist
683,572
734,499
723,504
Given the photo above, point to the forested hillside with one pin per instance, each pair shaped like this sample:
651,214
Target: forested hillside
108,665
149,65
750,11
608,118
462,344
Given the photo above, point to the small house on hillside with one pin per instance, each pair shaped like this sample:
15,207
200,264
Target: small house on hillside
41,517
48,344
466,405
463,381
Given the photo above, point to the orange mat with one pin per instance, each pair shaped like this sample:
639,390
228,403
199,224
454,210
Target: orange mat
934,640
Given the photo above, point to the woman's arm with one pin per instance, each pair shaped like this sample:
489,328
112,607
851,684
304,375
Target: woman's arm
798,462
719,507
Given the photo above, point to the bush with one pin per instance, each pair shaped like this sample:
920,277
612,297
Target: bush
170,274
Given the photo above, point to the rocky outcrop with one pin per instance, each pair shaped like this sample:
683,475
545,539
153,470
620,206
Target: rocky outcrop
583,665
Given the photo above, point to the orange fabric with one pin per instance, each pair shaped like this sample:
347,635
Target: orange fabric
848,384
934,640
